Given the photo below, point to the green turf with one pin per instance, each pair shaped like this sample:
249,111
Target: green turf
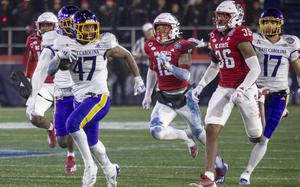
147,162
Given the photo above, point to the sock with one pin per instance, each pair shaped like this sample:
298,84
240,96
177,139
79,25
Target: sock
257,153
71,154
80,139
210,175
51,126
219,161
202,137
99,153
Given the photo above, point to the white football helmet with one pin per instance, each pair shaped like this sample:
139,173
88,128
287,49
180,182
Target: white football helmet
47,17
169,19
236,12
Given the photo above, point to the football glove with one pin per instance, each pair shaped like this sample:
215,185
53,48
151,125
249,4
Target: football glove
139,86
68,53
238,95
146,103
198,43
196,92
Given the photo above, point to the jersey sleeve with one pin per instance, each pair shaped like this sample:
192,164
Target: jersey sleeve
147,51
48,38
242,34
294,42
184,47
109,40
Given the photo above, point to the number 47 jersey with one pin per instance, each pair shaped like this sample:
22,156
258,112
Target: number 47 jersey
89,73
274,60
233,68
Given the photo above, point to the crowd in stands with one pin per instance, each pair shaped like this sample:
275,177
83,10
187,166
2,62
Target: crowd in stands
22,13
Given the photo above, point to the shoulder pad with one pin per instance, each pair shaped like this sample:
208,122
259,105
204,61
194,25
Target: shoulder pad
48,38
292,41
60,42
108,40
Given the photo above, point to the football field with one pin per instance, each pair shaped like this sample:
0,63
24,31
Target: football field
26,160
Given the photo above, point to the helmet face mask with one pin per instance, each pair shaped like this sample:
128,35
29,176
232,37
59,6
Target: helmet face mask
166,28
65,20
86,26
271,22
228,15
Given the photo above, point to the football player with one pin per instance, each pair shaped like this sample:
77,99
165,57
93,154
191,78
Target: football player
275,51
170,61
92,102
234,59
35,111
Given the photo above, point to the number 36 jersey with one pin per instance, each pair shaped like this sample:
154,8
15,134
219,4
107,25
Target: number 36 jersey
274,60
89,73
233,68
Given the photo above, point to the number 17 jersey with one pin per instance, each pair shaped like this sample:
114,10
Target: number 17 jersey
274,60
233,68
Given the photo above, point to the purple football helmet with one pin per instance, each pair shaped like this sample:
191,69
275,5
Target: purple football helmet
86,26
65,20
270,22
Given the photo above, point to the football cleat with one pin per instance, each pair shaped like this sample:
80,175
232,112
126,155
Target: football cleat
70,166
111,175
51,138
221,173
245,178
89,176
193,151
204,181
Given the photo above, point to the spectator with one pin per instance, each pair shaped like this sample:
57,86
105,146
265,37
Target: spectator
5,15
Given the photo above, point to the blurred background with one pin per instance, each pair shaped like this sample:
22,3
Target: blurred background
125,18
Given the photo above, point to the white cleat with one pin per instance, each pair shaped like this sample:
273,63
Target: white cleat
111,175
89,176
245,179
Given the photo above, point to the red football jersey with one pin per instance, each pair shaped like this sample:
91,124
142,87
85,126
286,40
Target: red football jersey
33,44
233,68
167,81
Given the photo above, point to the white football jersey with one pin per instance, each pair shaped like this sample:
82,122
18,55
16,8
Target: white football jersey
62,79
89,73
275,59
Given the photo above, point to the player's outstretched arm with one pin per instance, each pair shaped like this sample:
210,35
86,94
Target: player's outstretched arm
121,52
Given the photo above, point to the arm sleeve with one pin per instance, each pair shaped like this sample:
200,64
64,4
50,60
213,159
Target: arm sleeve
253,73
40,73
210,74
150,82
180,73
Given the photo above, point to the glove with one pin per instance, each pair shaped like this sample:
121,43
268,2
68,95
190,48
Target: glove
198,43
139,86
238,95
196,92
146,103
165,61
68,53
262,92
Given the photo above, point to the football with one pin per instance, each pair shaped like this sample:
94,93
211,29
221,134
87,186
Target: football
64,64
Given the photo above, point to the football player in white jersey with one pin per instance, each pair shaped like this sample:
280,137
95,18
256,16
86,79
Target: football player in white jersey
62,85
275,51
92,102
35,111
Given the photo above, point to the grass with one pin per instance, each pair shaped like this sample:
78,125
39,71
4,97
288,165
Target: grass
147,162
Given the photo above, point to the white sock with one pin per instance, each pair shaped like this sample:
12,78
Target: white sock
210,175
257,154
80,139
99,153
51,126
71,154
202,137
219,161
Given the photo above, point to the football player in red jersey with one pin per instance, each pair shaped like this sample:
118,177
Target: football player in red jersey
35,112
234,59
170,61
